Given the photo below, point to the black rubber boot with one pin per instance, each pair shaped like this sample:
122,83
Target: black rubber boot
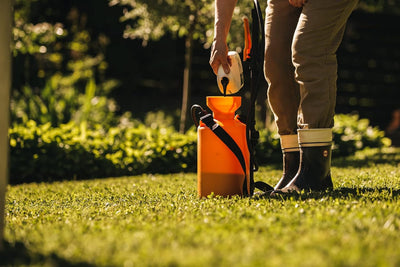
315,162
291,164
290,157
291,160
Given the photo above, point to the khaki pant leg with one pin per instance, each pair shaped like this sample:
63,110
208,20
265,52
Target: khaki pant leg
283,92
317,38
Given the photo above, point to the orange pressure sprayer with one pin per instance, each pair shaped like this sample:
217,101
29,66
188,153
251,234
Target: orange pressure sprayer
220,170
226,146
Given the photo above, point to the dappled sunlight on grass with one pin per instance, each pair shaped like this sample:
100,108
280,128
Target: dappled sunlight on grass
159,220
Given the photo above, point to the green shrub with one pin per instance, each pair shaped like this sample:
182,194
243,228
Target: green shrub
351,134
40,152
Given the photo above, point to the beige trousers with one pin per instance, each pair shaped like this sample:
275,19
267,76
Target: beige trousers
300,61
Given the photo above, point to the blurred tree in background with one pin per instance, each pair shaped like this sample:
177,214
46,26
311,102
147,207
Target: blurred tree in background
58,66
191,19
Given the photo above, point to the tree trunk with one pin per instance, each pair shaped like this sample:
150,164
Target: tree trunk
187,73
5,84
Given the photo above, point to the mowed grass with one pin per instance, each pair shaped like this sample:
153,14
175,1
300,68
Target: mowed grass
158,220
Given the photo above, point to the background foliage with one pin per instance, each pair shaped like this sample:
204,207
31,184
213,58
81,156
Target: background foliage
61,46
89,101
45,153
59,66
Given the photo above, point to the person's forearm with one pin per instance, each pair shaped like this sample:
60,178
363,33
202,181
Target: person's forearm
223,17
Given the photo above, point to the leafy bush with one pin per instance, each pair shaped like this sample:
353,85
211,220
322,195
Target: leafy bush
40,152
351,134
59,70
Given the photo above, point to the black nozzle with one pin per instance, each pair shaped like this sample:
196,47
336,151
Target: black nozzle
224,83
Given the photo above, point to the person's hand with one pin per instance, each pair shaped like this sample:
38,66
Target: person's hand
219,56
297,3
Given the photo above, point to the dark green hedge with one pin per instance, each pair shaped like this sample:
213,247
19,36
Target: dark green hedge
39,152
43,153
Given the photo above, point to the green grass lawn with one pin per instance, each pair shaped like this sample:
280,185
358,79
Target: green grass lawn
158,220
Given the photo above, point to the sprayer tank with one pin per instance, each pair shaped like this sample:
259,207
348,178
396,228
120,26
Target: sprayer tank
218,169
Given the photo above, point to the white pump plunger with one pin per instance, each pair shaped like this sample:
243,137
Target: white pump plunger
235,79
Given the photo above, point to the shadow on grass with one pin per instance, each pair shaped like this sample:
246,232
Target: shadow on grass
17,254
357,192
342,193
